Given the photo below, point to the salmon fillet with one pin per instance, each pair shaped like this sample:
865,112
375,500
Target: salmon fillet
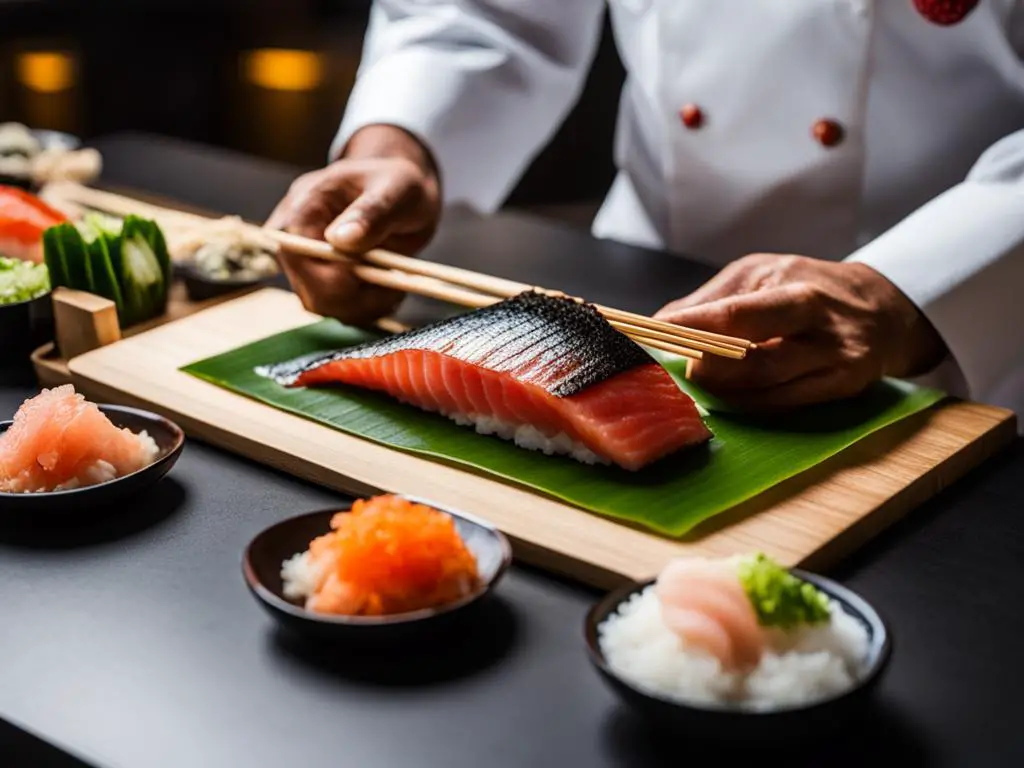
549,373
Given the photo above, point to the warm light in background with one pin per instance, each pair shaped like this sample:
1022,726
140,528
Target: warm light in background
46,71
284,70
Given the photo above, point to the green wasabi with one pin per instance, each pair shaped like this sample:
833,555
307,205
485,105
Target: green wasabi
22,281
779,598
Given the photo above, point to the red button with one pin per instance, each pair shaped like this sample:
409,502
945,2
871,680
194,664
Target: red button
692,116
827,132
945,12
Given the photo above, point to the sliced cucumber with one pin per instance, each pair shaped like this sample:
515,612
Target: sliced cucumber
75,258
143,286
127,263
104,281
53,258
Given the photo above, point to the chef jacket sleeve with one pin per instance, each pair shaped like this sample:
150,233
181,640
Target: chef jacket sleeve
960,258
483,83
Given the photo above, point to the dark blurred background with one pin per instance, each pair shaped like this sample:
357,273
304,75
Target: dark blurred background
265,77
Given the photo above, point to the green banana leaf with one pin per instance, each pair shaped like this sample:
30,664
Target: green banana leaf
748,454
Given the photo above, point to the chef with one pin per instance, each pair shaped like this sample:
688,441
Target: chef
855,166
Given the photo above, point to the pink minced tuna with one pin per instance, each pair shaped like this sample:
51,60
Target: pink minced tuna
60,441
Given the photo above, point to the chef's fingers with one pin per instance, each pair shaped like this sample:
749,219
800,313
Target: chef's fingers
786,310
331,289
770,365
391,203
725,283
312,202
821,386
741,276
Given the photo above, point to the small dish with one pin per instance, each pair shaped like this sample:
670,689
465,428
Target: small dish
50,507
261,567
200,287
25,326
728,724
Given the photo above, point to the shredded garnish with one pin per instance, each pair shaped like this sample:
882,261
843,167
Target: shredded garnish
779,598
389,555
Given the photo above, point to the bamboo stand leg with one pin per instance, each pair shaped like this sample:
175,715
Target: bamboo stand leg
84,322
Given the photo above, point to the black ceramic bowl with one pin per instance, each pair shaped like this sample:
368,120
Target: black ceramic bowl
46,508
727,724
24,327
261,567
201,287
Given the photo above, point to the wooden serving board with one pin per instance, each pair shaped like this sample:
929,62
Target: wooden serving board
52,370
811,520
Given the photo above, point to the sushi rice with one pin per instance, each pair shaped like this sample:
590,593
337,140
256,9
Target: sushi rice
529,437
799,667
300,576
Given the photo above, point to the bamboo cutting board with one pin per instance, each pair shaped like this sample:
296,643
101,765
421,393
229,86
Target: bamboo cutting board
810,520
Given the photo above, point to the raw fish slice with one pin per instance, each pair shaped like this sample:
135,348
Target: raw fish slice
700,631
23,219
711,588
729,609
549,373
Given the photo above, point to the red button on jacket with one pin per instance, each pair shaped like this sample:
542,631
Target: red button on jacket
945,12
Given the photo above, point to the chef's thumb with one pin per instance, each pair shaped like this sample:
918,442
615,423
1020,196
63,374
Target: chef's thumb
352,232
366,222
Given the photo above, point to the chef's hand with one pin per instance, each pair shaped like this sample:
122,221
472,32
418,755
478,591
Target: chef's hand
383,192
825,330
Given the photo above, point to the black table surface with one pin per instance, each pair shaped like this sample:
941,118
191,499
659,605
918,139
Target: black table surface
135,644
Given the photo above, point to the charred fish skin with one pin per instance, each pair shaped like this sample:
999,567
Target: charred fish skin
559,344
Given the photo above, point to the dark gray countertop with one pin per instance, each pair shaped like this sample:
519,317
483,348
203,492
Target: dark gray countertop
134,644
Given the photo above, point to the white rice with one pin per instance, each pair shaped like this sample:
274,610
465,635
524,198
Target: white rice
529,437
300,577
807,665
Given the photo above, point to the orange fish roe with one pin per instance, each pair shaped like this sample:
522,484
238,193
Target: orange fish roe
389,555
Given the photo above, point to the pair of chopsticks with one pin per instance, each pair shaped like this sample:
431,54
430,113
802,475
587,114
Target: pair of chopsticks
408,275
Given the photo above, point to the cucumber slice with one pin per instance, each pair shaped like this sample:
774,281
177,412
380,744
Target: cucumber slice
77,242
113,243
104,281
53,258
74,258
159,245
143,286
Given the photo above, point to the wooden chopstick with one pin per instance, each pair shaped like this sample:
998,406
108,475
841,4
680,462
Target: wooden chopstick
425,278
726,346
436,289
502,287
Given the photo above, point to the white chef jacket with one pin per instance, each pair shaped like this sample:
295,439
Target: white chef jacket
927,185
